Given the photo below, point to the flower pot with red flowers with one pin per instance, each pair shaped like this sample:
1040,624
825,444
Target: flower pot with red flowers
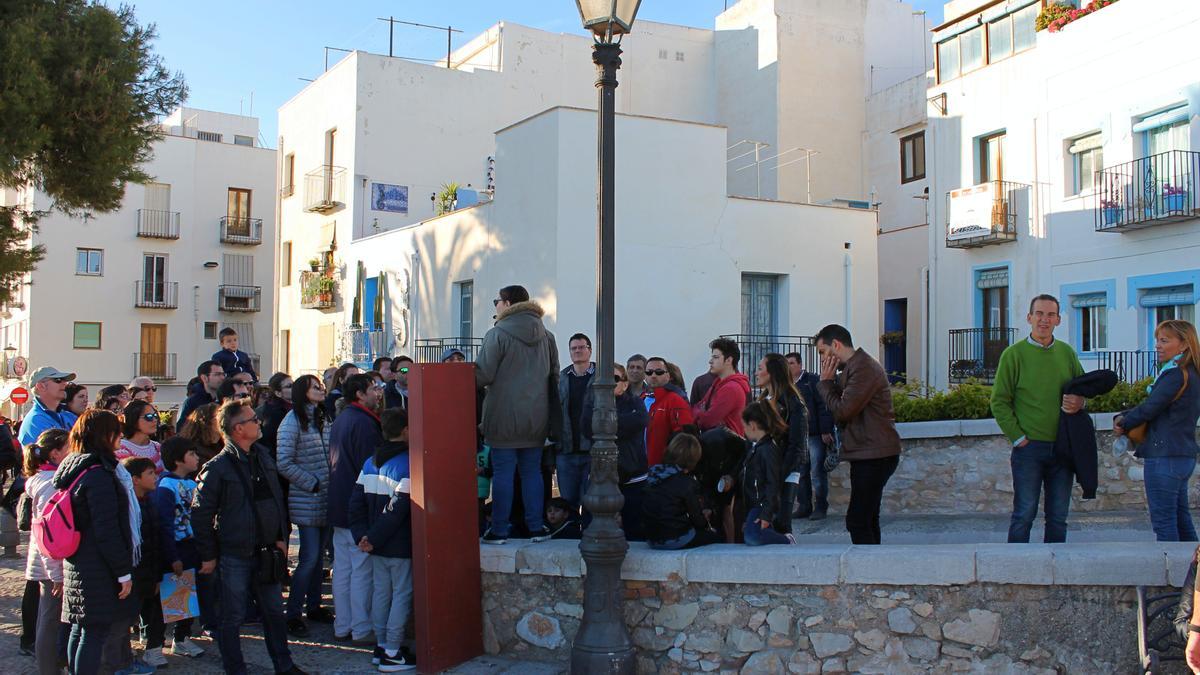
1174,198
1110,211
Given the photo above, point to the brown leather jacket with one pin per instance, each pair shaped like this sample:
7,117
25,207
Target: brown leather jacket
860,400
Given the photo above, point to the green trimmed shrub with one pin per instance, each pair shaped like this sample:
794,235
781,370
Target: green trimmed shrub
914,402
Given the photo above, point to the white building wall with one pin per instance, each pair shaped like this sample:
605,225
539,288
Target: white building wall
1091,76
200,174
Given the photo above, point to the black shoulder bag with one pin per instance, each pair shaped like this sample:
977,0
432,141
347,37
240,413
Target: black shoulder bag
270,564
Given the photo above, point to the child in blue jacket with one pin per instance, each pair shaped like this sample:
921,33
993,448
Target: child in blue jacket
231,359
380,520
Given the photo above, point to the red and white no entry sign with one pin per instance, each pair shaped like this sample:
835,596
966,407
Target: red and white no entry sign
20,396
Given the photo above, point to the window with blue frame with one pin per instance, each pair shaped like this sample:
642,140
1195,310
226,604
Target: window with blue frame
1165,303
1164,131
1091,311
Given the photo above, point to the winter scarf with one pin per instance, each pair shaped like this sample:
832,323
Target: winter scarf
135,512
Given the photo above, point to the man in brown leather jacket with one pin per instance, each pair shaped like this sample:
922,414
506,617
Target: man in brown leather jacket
860,401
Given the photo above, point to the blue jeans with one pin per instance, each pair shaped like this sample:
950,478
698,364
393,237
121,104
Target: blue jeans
237,585
1167,497
85,647
573,473
505,463
755,535
1035,469
813,490
305,591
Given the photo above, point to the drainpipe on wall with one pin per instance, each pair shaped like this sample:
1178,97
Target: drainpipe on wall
847,269
414,301
925,350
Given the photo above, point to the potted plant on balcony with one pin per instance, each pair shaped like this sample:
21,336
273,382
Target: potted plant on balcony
892,337
1174,198
325,286
314,263
1110,211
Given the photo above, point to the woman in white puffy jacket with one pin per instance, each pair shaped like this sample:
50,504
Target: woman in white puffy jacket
41,460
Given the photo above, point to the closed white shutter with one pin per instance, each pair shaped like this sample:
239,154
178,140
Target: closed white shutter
237,270
158,197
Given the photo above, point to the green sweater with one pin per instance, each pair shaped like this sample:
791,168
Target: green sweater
1027,395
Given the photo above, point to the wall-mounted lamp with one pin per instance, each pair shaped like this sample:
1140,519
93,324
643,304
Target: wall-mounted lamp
210,265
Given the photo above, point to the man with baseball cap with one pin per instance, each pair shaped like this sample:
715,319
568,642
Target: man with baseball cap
49,386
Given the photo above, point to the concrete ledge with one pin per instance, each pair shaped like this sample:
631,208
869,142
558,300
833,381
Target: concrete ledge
1095,564
974,428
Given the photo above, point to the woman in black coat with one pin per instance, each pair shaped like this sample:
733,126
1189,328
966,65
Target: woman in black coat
786,409
98,576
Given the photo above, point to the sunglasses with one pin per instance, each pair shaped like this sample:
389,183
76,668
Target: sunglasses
496,302
254,419
60,380
403,371
150,417
656,371
145,389
618,378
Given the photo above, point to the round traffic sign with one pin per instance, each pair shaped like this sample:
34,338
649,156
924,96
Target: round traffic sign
20,396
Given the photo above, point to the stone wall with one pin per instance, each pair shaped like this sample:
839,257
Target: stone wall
990,608
963,467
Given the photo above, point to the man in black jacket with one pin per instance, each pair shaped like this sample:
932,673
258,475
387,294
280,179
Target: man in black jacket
238,516
211,375
814,488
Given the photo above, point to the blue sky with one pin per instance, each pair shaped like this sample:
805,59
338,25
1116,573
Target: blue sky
231,52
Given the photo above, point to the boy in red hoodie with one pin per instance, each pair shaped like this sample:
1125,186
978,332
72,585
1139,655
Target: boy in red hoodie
723,404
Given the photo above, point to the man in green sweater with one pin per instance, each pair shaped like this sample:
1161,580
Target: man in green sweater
1026,400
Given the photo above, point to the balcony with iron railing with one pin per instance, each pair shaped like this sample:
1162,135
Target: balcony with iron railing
986,214
156,294
1129,365
231,298
975,353
430,350
156,366
317,289
154,224
238,230
1149,191
325,189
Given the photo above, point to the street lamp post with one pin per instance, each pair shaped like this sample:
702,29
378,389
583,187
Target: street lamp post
602,643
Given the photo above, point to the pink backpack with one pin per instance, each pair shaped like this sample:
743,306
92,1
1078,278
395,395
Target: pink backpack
54,529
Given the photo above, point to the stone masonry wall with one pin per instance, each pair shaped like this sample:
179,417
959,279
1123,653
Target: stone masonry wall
971,474
679,627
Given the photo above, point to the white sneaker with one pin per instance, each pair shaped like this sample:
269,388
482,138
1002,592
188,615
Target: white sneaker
186,648
154,657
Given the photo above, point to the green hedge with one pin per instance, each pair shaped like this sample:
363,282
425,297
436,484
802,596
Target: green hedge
972,401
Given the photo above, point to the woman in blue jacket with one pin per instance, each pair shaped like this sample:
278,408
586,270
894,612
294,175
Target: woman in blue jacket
1170,414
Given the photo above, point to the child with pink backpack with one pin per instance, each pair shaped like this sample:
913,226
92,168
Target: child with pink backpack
41,460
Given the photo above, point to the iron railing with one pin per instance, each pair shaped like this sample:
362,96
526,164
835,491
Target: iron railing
239,298
325,188
1148,191
429,350
157,224
365,344
1130,366
975,353
754,347
317,289
155,366
237,230
985,214
156,294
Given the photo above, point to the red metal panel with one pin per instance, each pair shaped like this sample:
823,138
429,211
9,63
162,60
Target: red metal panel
447,589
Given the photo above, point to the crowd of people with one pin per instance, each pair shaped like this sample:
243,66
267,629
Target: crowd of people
217,495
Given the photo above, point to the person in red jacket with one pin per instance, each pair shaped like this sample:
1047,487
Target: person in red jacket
670,412
723,404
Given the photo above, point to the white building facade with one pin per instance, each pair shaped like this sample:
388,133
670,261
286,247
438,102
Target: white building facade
145,289
366,146
1063,163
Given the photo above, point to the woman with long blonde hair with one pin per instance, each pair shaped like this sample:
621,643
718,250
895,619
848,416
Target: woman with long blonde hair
1170,413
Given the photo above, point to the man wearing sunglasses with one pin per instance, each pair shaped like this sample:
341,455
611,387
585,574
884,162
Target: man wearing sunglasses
518,366
395,390
240,490
49,386
670,412
143,385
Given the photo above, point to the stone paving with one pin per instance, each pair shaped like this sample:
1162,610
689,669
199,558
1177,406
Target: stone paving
315,654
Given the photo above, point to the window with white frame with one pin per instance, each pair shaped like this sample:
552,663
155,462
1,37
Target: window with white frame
1166,303
89,262
1087,158
1006,35
1091,311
